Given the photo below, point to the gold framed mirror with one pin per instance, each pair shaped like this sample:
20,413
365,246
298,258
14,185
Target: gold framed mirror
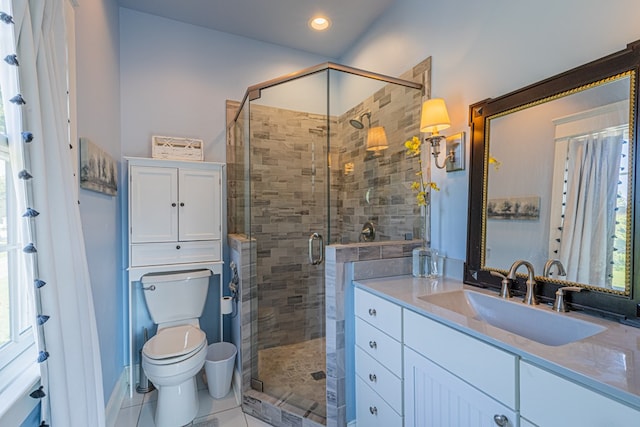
552,178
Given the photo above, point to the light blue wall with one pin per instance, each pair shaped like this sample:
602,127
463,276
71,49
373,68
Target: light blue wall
176,77
99,120
485,49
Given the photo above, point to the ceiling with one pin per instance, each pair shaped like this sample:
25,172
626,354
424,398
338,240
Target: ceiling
282,22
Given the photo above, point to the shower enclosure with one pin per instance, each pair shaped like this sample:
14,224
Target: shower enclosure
314,158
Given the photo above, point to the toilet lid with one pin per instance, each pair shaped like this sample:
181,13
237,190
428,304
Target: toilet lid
174,341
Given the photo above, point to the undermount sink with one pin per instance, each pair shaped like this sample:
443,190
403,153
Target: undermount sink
535,323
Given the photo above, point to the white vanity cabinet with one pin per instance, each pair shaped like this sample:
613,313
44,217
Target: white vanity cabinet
451,378
378,357
174,212
547,399
435,397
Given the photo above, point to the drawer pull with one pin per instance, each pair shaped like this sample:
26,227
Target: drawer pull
500,420
372,378
373,344
373,410
178,247
372,312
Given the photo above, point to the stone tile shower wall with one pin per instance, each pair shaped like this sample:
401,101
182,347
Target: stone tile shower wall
288,151
288,164
376,187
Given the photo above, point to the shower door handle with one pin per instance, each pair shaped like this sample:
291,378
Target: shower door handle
312,258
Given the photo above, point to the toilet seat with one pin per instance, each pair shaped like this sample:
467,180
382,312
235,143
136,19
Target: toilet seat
174,344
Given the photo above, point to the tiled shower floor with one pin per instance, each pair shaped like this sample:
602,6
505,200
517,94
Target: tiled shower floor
295,374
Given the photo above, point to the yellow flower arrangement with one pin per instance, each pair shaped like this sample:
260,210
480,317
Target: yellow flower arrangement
420,186
495,162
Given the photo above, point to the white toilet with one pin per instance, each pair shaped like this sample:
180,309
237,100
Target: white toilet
177,352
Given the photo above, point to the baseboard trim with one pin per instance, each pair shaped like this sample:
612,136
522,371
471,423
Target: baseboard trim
117,397
237,386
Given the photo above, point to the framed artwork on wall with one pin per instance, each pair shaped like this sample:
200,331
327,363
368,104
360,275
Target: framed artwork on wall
523,208
98,170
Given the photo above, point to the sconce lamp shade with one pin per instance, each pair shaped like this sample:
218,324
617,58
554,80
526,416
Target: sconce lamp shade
376,139
434,116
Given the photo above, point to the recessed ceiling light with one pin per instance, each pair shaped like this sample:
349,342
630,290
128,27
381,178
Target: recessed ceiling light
319,23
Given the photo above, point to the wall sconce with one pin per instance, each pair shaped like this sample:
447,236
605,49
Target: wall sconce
435,118
376,136
377,139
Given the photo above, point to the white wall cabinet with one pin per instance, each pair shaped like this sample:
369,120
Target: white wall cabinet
175,223
174,212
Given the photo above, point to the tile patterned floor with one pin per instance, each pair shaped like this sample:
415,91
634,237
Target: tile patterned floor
138,411
295,374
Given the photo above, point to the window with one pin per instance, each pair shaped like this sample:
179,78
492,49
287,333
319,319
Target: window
17,350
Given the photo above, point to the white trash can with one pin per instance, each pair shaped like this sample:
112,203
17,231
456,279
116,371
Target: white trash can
218,365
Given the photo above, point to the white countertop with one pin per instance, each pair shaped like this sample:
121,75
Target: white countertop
608,362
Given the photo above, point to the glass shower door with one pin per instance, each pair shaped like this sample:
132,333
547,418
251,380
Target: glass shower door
289,221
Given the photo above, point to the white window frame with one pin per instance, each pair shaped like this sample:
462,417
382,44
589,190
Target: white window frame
19,372
20,333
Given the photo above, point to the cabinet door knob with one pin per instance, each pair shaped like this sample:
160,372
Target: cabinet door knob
181,203
173,205
373,410
373,344
178,247
372,312
500,420
372,378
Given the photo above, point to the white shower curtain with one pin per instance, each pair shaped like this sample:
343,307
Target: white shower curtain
586,246
72,373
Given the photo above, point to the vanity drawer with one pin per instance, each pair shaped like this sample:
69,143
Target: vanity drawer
372,410
380,346
380,379
544,400
486,367
379,312
175,252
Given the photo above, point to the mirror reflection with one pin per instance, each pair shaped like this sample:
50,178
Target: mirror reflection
557,185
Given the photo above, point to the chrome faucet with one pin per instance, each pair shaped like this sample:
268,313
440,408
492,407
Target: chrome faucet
505,292
549,265
530,296
559,304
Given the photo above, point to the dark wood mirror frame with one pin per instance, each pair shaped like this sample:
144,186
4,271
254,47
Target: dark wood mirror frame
619,307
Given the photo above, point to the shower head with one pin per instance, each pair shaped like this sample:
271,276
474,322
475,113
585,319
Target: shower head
358,123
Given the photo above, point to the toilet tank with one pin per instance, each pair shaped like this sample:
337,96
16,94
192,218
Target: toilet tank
175,296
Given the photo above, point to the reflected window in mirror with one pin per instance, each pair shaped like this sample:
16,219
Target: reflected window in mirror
569,200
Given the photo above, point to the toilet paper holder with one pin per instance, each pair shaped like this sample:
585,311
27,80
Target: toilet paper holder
234,284
226,302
